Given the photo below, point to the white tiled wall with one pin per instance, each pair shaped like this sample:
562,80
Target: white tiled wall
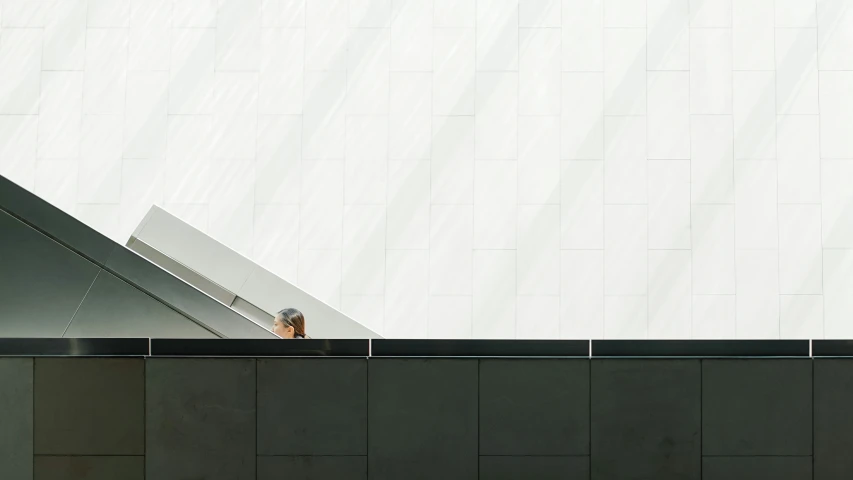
466,168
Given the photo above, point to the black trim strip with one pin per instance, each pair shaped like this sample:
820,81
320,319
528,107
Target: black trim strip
700,348
73,347
832,348
258,348
90,347
480,348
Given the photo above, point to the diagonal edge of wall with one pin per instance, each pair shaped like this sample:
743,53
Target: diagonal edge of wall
105,256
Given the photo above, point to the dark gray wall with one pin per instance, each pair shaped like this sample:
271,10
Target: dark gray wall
833,423
646,419
384,418
16,418
200,417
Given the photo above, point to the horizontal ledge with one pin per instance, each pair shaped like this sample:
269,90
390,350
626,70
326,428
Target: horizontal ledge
259,348
757,456
309,455
74,347
832,348
526,455
141,347
77,455
700,348
480,348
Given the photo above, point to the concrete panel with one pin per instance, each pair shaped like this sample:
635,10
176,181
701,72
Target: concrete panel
89,468
757,407
646,419
112,308
312,468
422,419
89,406
42,283
312,406
540,468
534,407
200,419
833,424
16,418
752,468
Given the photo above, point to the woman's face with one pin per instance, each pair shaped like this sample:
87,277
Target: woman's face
281,329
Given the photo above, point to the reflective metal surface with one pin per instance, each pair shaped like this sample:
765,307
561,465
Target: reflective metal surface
233,279
54,222
183,297
113,308
480,348
179,270
42,283
73,347
194,249
252,312
50,260
700,348
259,348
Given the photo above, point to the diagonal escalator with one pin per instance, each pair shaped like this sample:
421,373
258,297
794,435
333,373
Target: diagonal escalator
60,278
246,287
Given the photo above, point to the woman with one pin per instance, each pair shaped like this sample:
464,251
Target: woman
289,323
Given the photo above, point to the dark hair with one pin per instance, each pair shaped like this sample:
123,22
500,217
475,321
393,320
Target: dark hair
293,318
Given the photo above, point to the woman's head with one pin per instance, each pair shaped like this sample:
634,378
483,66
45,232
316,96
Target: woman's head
289,323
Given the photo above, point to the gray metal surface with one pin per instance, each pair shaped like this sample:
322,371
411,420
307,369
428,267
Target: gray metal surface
41,283
49,261
248,310
183,272
233,279
54,222
192,248
183,297
114,308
